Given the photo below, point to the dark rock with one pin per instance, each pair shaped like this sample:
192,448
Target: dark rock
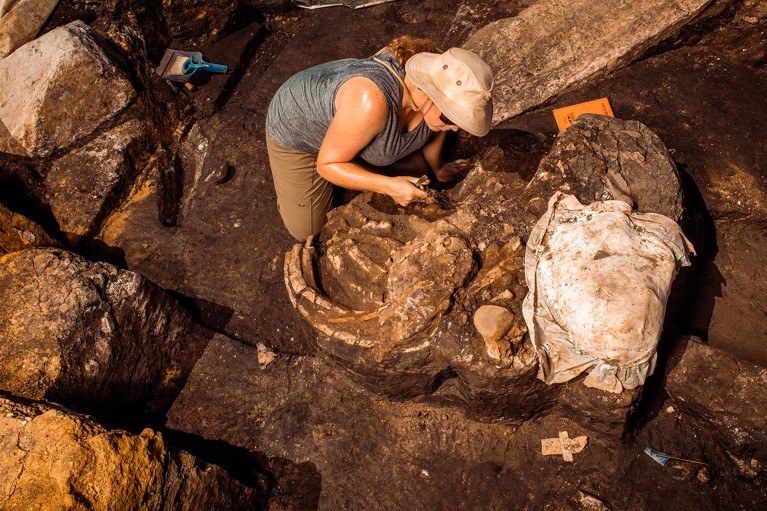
83,185
588,406
90,335
52,458
17,232
591,153
737,284
729,394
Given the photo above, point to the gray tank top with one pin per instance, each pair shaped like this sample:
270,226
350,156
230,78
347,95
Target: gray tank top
301,110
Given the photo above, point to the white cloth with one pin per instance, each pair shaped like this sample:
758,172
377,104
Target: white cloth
599,278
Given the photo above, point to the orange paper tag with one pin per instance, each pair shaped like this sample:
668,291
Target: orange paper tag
565,116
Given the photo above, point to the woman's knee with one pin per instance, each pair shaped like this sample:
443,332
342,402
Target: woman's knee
305,218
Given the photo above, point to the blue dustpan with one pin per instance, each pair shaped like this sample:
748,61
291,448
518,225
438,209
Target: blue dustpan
179,66
195,62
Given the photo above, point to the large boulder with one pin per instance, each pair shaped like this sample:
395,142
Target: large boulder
54,459
410,298
57,89
553,45
90,335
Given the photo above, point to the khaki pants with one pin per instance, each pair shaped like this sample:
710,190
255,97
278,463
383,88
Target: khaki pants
304,197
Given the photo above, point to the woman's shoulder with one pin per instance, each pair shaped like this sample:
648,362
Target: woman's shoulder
362,93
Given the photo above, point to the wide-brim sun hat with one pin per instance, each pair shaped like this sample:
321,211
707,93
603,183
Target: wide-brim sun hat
460,83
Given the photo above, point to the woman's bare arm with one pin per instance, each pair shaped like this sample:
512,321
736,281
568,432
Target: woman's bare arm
432,151
361,112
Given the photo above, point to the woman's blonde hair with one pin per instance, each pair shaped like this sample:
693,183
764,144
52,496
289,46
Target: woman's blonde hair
406,46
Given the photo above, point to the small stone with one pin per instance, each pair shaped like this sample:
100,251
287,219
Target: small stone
265,355
492,322
753,20
670,409
704,475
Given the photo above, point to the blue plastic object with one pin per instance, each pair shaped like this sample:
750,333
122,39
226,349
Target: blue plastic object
179,66
661,457
190,66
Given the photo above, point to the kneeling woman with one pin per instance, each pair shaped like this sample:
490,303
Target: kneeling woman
390,110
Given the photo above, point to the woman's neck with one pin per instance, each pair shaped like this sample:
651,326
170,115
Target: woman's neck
410,114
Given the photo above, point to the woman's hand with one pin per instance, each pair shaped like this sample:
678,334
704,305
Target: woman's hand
448,171
403,190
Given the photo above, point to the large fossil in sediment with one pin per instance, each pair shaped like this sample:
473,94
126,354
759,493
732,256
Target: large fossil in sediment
405,296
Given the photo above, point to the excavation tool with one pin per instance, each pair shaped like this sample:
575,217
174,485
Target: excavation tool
179,66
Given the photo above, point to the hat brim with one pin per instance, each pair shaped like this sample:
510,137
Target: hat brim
421,68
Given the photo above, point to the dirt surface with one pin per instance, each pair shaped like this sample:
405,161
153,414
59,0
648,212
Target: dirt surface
332,445
360,451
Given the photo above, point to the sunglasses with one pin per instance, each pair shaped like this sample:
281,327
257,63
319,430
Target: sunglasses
445,120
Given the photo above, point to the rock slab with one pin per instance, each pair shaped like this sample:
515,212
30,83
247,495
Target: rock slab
21,23
553,45
83,185
57,89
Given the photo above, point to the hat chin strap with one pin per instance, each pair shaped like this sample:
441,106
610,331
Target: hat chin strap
416,108
404,87
419,108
